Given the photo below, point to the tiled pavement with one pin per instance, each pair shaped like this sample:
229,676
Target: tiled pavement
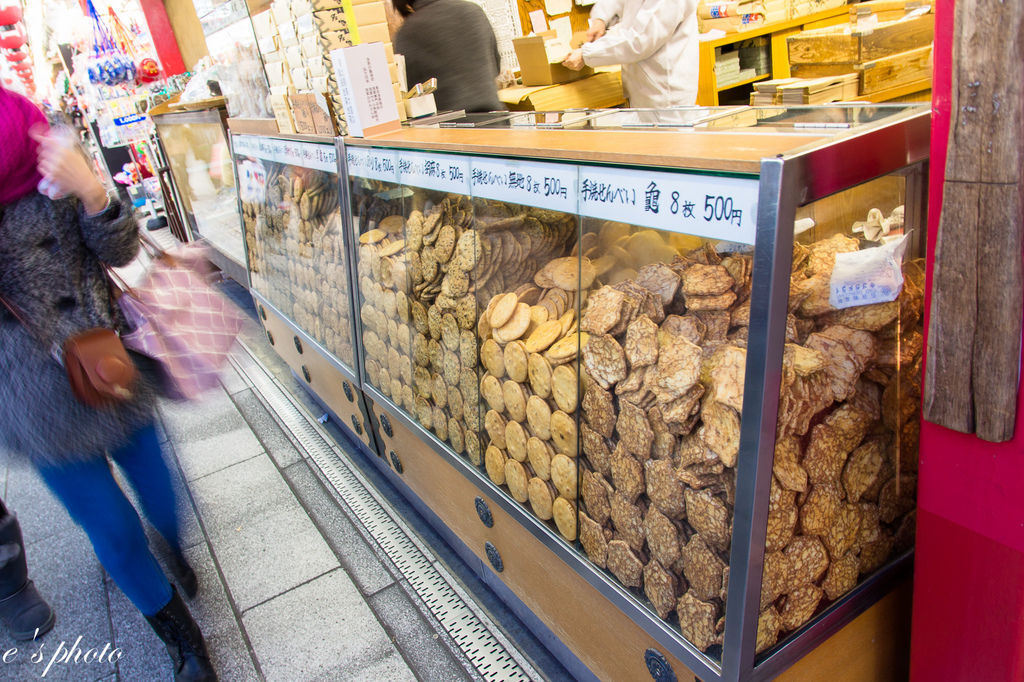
290,587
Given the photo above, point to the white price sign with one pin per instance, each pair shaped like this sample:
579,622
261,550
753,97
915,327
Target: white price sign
372,163
713,207
544,185
434,171
323,157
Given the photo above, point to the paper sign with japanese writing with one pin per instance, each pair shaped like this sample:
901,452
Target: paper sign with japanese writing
367,94
873,275
544,185
440,172
707,206
322,157
372,163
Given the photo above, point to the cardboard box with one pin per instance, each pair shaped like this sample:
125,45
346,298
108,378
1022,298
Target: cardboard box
368,14
540,61
374,33
424,105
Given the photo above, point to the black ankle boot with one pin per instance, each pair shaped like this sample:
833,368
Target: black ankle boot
174,625
24,611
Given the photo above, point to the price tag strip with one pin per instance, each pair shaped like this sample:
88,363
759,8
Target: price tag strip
543,185
372,163
713,207
323,157
438,172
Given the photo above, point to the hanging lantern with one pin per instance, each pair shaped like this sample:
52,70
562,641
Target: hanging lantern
22,67
16,56
10,12
14,37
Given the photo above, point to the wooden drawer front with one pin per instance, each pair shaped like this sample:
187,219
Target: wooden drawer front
329,384
279,334
610,644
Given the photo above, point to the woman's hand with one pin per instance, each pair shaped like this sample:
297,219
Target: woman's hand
574,60
596,30
64,167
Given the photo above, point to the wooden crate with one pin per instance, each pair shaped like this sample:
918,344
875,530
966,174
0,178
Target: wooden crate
848,45
879,74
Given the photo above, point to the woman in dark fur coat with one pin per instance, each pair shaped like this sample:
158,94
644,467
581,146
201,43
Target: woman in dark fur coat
52,257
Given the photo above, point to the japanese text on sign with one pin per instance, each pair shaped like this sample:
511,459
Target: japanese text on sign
372,163
434,171
321,157
544,185
706,206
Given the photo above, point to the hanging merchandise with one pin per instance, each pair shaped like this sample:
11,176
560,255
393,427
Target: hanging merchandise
13,37
147,69
10,12
108,65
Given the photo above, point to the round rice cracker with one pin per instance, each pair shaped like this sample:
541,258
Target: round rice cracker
515,439
473,450
491,390
494,462
494,424
541,498
493,358
503,310
515,400
455,436
516,362
440,424
515,327
539,373
565,388
564,473
563,433
539,454
538,416
543,336
517,480
564,513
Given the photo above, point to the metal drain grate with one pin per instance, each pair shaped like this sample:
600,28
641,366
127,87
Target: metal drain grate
493,657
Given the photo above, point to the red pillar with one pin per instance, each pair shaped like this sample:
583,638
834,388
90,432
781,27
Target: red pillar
968,618
163,37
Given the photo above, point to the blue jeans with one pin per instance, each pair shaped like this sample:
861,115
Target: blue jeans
96,503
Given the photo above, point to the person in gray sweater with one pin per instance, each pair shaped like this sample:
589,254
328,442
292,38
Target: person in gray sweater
452,41
53,284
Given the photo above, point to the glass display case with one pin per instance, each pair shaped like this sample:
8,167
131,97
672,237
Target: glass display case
195,145
297,254
687,360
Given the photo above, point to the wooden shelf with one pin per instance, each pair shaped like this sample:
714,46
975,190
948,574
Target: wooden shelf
899,91
748,81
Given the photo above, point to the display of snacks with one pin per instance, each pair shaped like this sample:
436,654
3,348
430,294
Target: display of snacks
293,235
845,469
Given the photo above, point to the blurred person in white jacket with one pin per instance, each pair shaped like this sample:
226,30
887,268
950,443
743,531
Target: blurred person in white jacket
655,41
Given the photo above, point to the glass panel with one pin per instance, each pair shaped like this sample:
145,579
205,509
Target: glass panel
293,234
845,468
819,119
379,205
200,159
668,263
528,289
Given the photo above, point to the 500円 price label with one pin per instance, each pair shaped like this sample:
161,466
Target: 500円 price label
543,185
372,163
439,172
323,157
702,205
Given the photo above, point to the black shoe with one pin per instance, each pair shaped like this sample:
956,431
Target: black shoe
174,625
24,611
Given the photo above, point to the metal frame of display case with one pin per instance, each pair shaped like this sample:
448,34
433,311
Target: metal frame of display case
235,270
353,374
786,182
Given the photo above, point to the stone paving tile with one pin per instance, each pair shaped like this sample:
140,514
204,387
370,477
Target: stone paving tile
274,440
418,641
356,556
200,458
195,420
40,514
263,539
69,577
317,628
232,381
144,656
392,669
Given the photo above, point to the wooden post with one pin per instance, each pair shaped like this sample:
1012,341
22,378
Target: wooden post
974,344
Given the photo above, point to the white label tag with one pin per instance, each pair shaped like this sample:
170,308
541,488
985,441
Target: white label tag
372,163
544,185
322,157
367,95
873,275
434,171
699,205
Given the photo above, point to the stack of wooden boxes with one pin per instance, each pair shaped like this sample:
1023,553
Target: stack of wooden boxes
296,38
888,54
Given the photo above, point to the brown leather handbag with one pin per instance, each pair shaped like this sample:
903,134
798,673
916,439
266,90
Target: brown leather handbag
100,371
